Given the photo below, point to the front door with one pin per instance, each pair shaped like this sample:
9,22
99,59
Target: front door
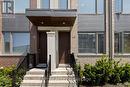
42,47
64,47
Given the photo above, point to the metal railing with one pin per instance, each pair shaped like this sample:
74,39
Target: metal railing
20,69
73,65
48,71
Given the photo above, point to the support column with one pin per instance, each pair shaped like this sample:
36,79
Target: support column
51,48
106,28
109,27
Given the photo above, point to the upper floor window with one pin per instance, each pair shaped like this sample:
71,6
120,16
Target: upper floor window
63,4
91,6
8,7
86,6
21,5
126,6
118,6
100,6
45,4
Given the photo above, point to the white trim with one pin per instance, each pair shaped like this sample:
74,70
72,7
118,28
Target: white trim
38,3
54,28
12,55
69,4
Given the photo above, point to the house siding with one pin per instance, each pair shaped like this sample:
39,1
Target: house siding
93,23
17,23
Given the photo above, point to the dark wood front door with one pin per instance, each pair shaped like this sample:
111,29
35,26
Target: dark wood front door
64,47
42,47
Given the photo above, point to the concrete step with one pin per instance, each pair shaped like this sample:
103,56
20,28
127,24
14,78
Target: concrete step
64,66
62,72
31,83
62,77
36,71
62,83
33,77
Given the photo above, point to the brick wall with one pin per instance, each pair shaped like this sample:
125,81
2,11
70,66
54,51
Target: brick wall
84,59
6,61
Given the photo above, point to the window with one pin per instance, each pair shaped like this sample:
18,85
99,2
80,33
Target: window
7,7
20,42
45,4
16,42
21,5
87,43
126,6
100,6
63,4
7,42
86,6
126,42
117,43
100,43
118,6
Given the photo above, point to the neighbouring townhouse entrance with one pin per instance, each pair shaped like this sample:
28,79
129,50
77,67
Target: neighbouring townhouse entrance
42,47
64,47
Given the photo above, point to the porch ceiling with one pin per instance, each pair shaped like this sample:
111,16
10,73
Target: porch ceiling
42,17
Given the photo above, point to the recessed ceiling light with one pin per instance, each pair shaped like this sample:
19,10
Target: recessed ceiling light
42,22
63,22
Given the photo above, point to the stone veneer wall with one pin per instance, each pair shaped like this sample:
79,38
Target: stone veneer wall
82,59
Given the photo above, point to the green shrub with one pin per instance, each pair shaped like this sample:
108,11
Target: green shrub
106,71
6,76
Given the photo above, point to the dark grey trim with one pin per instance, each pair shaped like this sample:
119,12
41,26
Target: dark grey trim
51,12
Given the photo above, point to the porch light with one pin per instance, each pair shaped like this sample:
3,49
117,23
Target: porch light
42,22
63,23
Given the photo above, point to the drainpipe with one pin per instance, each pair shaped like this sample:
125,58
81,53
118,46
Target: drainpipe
109,27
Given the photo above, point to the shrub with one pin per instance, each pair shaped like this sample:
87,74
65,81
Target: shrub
106,71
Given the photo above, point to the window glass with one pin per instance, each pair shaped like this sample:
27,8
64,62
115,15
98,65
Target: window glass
127,43
117,43
100,6
100,43
20,42
7,42
126,6
45,4
87,43
63,4
118,6
86,6
21,5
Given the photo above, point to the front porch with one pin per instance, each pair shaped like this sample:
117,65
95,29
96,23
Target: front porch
51,35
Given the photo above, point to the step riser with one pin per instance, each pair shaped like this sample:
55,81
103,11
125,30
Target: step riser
35,73
62,73
31,84
62,84
33,78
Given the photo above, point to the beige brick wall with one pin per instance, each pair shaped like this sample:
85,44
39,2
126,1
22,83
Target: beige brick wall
92,59
74,39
